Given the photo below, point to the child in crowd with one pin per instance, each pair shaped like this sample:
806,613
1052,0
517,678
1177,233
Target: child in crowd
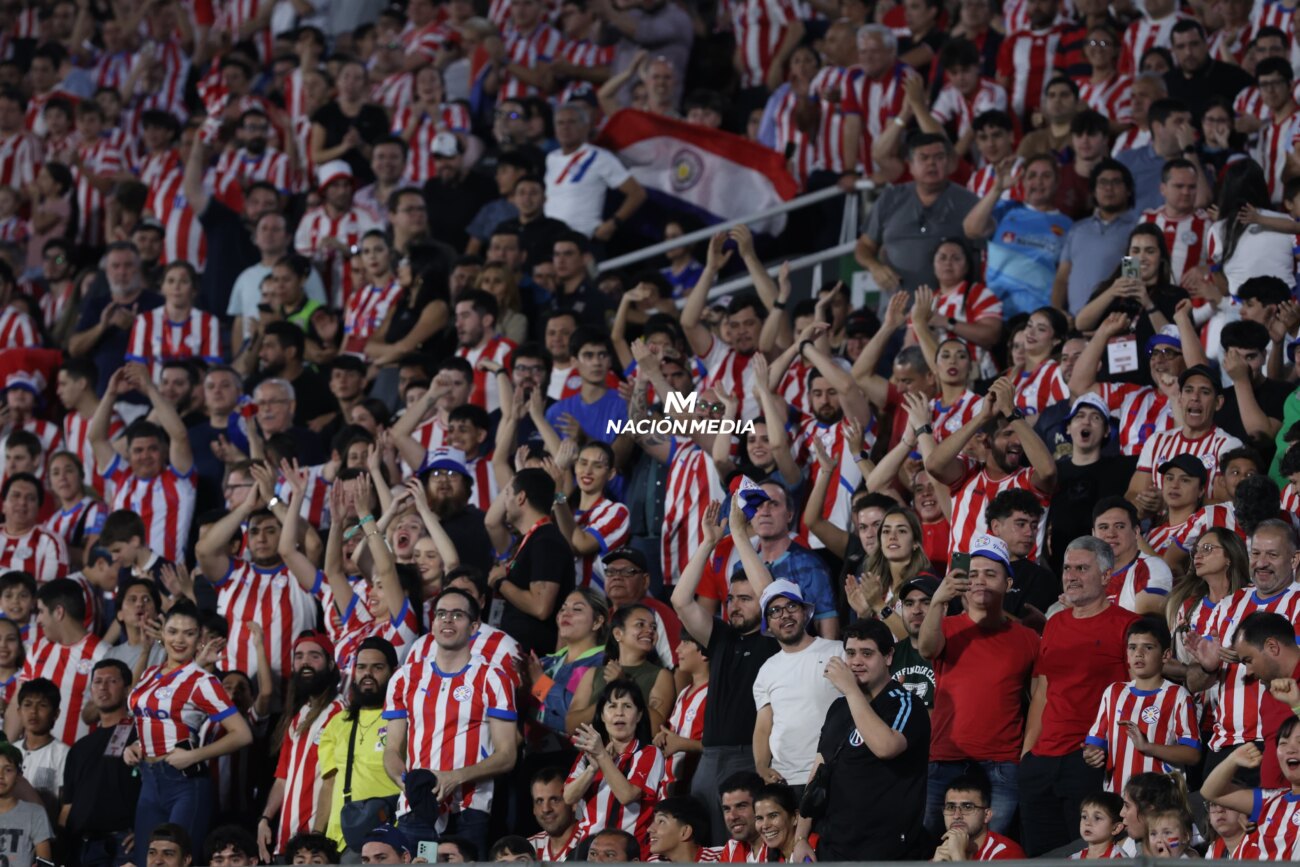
18,603
1101,826
43,754
1169,834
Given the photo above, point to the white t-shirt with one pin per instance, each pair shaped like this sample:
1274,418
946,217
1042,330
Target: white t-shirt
1260,253
576,184
794,684
43,767
247,291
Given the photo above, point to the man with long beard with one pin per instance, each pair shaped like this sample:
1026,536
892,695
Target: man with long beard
357,770
312,701
448,482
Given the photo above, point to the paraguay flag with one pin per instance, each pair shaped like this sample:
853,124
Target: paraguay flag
710,174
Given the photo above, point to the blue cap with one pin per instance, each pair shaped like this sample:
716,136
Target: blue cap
391,836
1167,336
751,494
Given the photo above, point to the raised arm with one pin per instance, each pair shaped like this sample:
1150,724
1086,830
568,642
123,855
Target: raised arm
97,432
942,463
776,327
300,565
697,333
852,397
211,550
864,368
755,569
774,413
764,285
979,223
657,446
385,567
698,620
443,542
834,537
195,168
1084,377
179,453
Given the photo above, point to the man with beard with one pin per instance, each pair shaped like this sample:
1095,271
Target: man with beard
1011,442
736,650
271,236
255,159
967,813
280,356
558,838
310,703
454,194
180,386
540,575
982,661
457,699
99,790
448,482
1218,667
351,751
1082,652
788,690
909,667
106,317
737,794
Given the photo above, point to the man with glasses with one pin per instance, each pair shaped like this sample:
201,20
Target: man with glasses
966,814
460,726
790,690
1280,136
627,582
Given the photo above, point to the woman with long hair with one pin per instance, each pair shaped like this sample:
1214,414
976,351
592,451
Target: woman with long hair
949,358
1040,383
1237,246
80,510
169,702
502,283
1149,299
421,312
367,308
343,127
790,118
427,114
1146,794
618,773
899,557
961,308
1220,567
629,655
583,622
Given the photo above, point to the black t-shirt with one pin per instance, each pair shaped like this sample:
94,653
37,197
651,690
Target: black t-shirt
230,252
875,807
472,541
101,789
1077,488
311,395
545,556
734,661
1032,584
1271,395
452,206
372,124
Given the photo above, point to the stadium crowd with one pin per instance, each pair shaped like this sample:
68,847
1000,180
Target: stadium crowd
353,513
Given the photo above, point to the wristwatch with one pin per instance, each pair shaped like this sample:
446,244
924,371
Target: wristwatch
1016,415
924,429
561,499
273,502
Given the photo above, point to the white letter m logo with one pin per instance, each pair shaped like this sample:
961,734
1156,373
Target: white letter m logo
679,403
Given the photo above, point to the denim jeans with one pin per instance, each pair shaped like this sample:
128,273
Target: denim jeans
104,851
1003,778
167,795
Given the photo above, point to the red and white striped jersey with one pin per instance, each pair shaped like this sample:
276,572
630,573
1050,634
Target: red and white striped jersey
111,70
760,27
1131,139
34,116
729,372
1277,819
692,484
38,552
1250,102
1112,97
242,168
540,46
1027,59
1166,716
365,312
401,631
835,439
1277,139
159,165
452,117
51,440
1215,515
102,158
76,439
583,54
970,302
448,715
88,513
18,330
1015,14
1184,236
1160,447
156,339
20,155
183,239
333,617
1161,537
998,848
317,225
69,666
1038,389
643,766
1141,411
832,84
973,491
687,720
1143,35
610,523
269,596
1237,718
491,645
165,503
298,766
797,146
394,92
235,15
875,100
950,419
427,40
54,303
169,707
736,852
483,482
983,180
15,230
487,391
1146,574
794,386
302,144
1290,499
952,106
542,845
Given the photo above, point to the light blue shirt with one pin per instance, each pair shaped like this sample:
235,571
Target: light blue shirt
1145,165
1023,254
1093,248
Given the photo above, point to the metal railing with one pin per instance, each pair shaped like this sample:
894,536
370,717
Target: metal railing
707,232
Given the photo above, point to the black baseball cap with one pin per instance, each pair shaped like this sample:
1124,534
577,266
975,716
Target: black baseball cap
1189,464
632,555
927,584
1200,370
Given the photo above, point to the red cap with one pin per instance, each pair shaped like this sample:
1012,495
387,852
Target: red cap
317,638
